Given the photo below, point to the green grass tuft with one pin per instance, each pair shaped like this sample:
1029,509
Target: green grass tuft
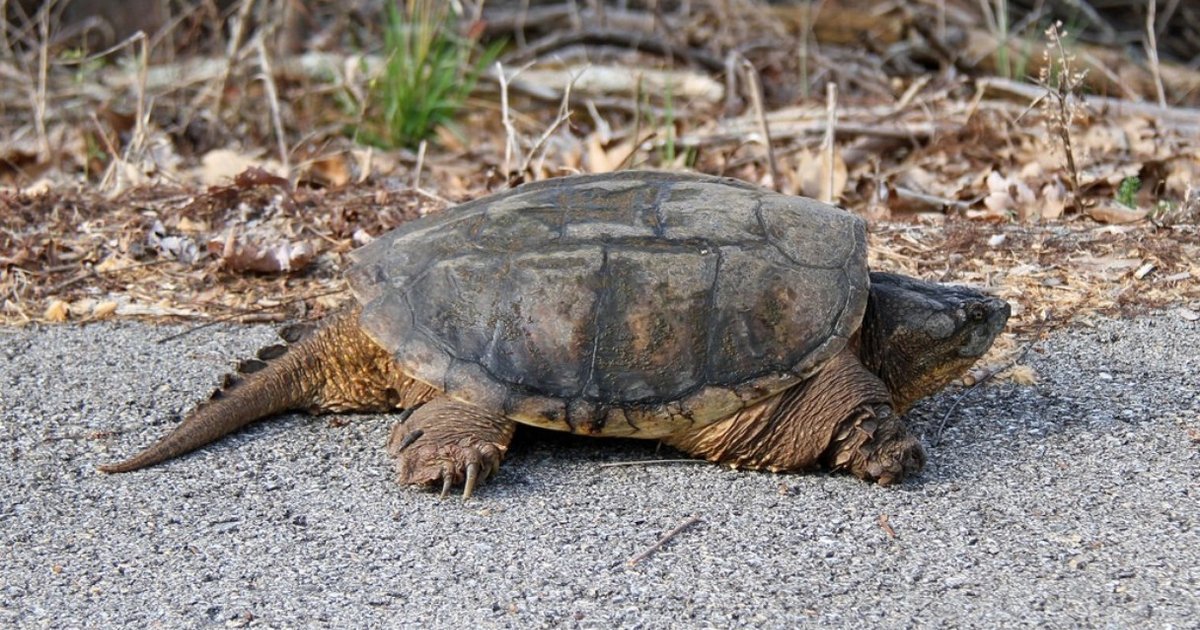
1128,190
429,73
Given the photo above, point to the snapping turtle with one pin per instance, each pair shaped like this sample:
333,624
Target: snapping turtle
734,323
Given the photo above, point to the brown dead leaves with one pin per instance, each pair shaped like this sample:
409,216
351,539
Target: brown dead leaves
167,252
266,257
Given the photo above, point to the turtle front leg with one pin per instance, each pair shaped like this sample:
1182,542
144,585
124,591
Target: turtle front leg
449,442
841,418
874,444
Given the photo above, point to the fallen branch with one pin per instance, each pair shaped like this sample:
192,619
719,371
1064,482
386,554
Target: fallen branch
502,20
944,424
1182,118
652,43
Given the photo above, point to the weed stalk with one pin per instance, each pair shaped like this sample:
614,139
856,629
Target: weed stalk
1062,84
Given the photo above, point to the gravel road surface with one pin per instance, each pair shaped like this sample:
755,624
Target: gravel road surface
1072,502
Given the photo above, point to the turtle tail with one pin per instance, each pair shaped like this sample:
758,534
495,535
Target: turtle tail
281,378
336,367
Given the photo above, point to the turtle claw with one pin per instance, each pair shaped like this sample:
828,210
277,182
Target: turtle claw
408,440
891,462
876,446
447,466
447,444
472,479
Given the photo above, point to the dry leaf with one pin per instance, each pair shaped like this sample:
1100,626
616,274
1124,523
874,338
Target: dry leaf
1188,314
1141,135
219,166
1115,213
615,156
1053,200
104,309
597,158
568,149
112,263
1023,375
1008,195
188,225
811,174
82,308
262,258
332,170
886,526
38,188
180,248
57,311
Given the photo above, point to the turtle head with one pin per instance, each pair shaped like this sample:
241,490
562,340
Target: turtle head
918,336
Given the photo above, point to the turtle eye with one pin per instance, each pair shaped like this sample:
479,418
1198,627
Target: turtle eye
976,312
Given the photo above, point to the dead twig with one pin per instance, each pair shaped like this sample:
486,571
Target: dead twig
510,131
39,93
1180,118
416,182
637,127
500,20
644,42
117,173
564,114
250,312
944,424
734,133
1152,54
268,79
627,161
754,87
85,274
664,540
231,52
938,46
1063,83
934,202
827,156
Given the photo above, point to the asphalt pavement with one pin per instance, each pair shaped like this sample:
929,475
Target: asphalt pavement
1072,502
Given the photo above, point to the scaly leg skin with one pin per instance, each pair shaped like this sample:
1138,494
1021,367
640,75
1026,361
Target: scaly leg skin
449,442
841,418
874,444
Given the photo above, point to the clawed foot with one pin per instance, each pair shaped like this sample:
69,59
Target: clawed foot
876,446
448,444
421,462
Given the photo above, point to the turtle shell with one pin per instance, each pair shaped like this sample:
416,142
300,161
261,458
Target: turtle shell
634,303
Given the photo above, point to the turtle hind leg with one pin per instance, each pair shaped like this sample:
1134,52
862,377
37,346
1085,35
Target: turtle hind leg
448,443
